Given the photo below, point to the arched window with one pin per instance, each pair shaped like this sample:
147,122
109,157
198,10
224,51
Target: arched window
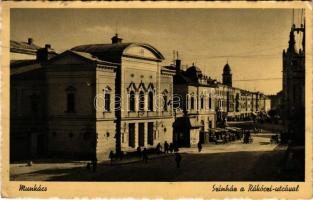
107,99
141,101
192,102
177,102
165,103
150,101
132,101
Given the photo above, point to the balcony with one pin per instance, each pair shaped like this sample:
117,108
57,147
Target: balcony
143,114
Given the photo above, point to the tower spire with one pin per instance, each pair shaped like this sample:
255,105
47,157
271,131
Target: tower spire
292,41
293,16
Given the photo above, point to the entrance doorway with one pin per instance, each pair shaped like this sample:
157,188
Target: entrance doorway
150,133
131,132
141,134
201,136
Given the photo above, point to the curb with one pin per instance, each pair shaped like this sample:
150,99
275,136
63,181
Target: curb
133,161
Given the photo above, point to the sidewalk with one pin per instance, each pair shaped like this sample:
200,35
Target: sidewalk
134,159
260,144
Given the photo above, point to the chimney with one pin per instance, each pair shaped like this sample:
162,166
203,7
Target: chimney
30,41
44,54
48,46
115,39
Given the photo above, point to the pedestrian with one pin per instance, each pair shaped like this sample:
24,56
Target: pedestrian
88,166
121,155
158,148
139,152
171,148
145,155
166,146
248,137
177,159
176,148
94,164
29,163
111,156
199,146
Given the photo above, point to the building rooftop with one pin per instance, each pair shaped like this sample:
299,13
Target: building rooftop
24,47
113,52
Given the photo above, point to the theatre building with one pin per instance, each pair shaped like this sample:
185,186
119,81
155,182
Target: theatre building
99,98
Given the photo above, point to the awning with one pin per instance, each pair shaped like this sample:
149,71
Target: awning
234,129
186,122
217,129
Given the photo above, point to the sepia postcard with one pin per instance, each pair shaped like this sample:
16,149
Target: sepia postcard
156,100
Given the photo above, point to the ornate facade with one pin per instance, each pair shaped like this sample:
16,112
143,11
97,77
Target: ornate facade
93,99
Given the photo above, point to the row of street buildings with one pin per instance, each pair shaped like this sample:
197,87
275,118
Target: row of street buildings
96,98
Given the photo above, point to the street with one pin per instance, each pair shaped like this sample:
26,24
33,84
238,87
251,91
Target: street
260,161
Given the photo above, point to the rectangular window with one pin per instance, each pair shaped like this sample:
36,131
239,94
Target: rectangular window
70,102
192,103
210,103
202,102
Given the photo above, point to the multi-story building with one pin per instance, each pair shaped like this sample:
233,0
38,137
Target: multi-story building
97,98
94,99
195,100
235,103
276,101
28,103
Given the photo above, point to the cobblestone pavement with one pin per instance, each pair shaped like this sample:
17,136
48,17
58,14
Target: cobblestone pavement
260,161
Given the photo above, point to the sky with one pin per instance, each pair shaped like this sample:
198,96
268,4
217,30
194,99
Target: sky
250,40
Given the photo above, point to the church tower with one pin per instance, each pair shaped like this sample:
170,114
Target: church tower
293,104
227,76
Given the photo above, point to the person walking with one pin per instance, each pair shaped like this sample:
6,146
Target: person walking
94,164
166,147
171,148
177,159
158,148
176,149
139,152
199,146
111,156
145,155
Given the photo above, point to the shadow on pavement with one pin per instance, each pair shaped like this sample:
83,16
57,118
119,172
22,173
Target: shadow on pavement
232,166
